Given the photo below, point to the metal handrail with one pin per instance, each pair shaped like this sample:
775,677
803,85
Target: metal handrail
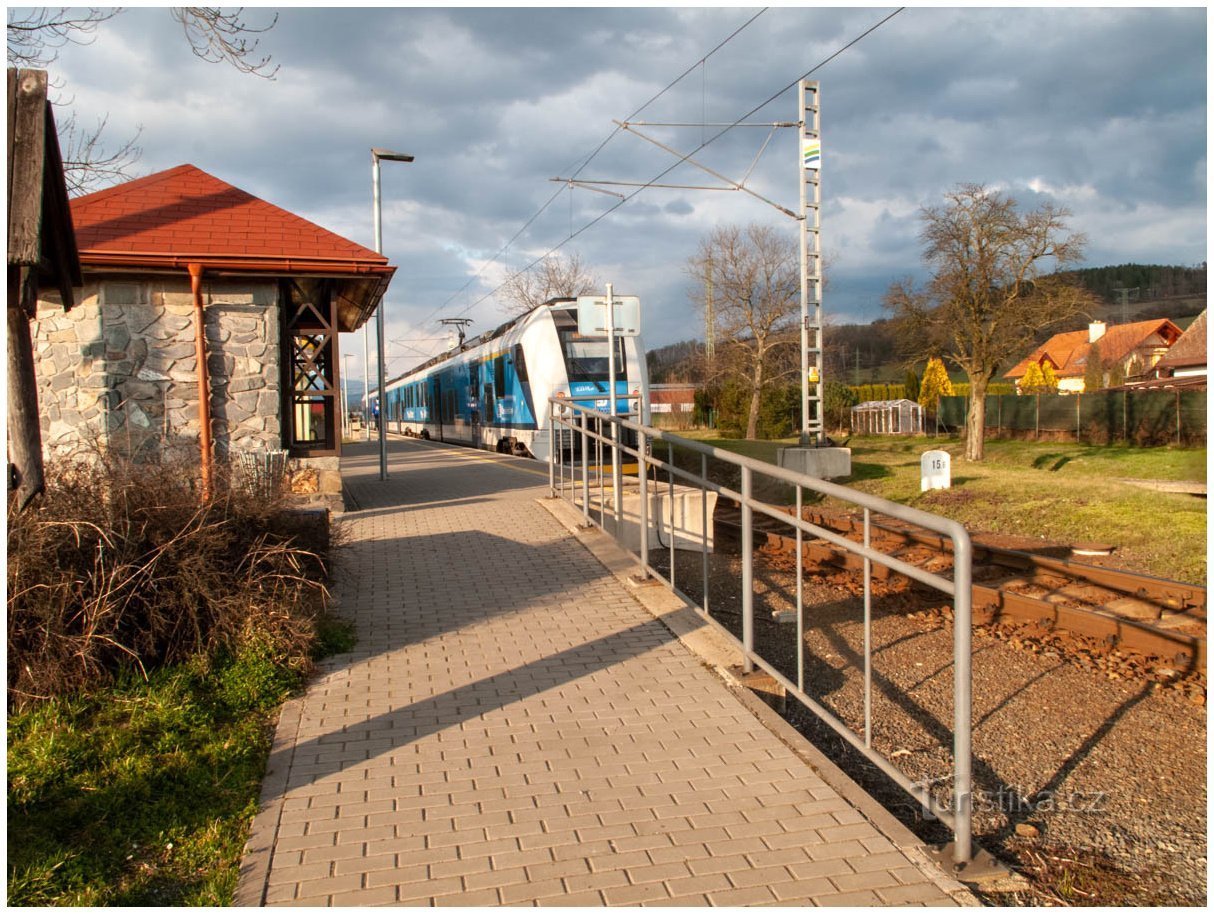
577,418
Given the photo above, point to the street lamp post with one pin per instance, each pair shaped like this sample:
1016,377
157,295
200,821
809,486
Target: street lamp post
345,395
376,155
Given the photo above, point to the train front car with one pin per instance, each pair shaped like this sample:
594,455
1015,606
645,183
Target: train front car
577,367
493,393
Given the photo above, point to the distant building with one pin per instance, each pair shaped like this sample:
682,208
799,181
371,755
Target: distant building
1135,347
165,254
672,405
1183,367
1187,357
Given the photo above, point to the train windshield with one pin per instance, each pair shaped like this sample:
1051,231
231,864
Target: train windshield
586,357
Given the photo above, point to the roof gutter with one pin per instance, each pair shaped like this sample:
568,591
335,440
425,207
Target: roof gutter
231,262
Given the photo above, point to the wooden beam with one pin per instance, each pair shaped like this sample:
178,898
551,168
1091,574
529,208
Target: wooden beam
26,161
26,478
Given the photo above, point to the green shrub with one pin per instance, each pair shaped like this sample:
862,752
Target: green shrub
258,677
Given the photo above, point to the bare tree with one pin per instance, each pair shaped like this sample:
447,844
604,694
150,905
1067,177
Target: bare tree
36,35
989,295
755,280
555,276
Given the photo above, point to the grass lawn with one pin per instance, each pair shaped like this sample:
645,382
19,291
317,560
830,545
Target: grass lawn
142,793
1065,492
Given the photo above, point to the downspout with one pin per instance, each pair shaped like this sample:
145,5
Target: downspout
204,384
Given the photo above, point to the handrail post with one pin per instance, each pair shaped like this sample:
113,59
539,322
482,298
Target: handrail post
748,557
963,680
585,474
643,479
551,449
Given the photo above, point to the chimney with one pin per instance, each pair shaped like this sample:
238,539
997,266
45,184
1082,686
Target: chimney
1095,331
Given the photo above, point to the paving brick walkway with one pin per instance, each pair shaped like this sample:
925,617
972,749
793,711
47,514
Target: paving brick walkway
514,728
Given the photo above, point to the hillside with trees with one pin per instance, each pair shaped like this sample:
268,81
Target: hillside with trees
1144,282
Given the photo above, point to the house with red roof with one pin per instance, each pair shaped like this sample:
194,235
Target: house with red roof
192,285
1134,347
1187,358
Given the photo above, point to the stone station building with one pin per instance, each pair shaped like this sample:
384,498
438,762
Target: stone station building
165,254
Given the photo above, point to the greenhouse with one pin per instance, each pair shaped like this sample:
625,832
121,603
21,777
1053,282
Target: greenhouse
887,417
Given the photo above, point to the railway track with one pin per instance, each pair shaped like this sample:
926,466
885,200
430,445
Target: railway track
1109,609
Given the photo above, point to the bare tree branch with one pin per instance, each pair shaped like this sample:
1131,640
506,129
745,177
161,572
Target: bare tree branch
35,35
218,37
87,165
554,277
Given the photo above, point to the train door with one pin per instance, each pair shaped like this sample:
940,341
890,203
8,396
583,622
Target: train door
437,410
474,403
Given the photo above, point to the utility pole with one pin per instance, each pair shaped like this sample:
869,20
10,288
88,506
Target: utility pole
810,162
1123,295
710,322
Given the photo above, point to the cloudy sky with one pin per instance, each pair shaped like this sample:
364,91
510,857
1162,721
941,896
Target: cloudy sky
1102,110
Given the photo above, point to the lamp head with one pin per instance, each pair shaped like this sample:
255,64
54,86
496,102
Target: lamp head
389,155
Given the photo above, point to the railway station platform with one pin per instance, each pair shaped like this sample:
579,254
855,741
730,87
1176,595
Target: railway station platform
515,727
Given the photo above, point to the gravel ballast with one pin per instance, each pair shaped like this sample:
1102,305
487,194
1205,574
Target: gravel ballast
1092,762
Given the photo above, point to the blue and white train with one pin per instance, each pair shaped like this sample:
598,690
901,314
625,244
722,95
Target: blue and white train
492,391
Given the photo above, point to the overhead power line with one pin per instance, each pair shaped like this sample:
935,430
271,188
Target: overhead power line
588,159
704,144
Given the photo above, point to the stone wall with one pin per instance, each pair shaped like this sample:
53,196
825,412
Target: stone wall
119,371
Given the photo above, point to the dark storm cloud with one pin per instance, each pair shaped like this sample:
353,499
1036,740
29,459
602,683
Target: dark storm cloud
1100,110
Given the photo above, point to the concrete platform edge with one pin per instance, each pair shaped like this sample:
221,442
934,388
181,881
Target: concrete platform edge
716,651
254,876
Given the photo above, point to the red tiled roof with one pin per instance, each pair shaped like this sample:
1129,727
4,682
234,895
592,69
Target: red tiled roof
1069,351
185,213
185,216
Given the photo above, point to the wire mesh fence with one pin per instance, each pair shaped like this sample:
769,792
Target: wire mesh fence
1152,417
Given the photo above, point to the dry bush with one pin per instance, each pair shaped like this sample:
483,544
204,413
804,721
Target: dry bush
120,566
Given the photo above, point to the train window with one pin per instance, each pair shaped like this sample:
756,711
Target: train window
520,364
499,374
586,357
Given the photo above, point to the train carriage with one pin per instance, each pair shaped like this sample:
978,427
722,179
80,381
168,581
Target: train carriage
492,392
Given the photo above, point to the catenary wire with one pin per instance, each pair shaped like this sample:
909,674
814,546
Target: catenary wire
585,162
603,215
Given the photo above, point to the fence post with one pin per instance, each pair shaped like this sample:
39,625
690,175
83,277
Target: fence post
643,484
585,474
1037,428
551,450
1178,417
963,698
748,591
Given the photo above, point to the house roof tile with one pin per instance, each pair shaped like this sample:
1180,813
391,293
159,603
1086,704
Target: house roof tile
184,215
1068,352
184,212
